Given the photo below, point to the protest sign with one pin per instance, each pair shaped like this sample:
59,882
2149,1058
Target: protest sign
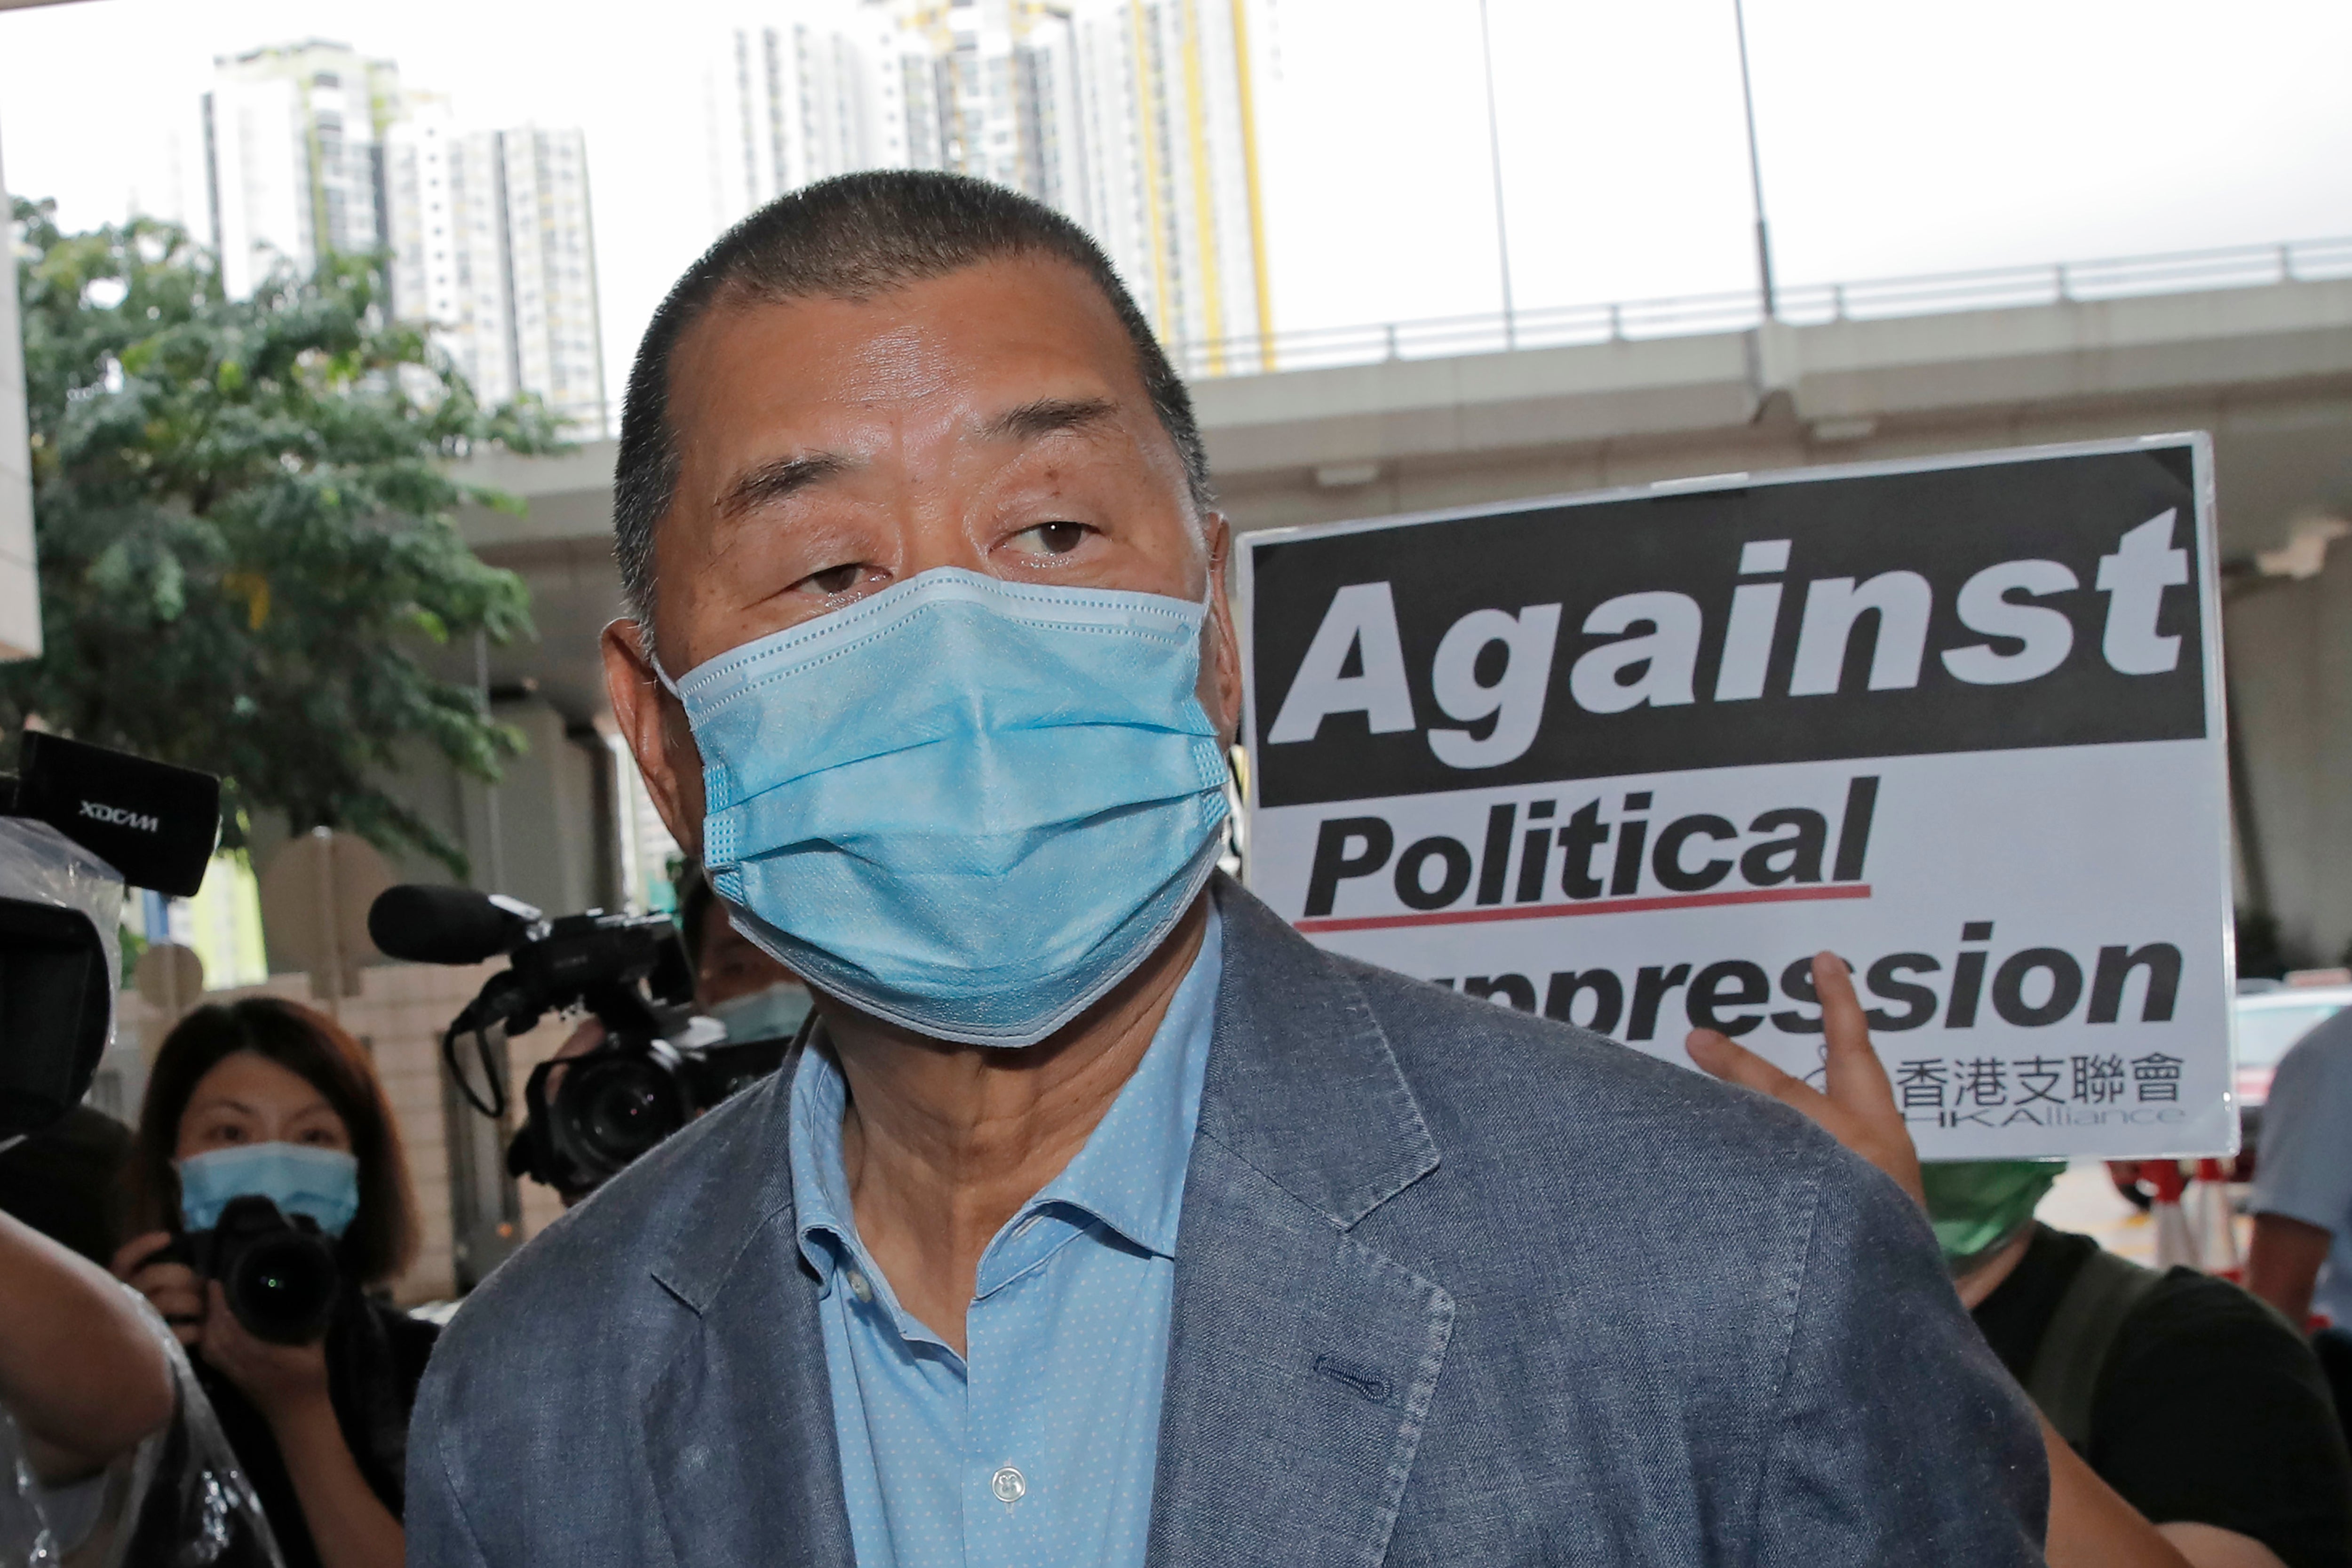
1629,759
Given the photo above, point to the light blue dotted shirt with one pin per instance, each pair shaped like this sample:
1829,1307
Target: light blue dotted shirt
1038,1447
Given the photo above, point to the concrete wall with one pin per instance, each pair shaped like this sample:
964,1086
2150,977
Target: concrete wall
2267,370
20,603
544,833
539,834
2290,669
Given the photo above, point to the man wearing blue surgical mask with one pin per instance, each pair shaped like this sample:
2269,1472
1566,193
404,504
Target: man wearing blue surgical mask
1104,1220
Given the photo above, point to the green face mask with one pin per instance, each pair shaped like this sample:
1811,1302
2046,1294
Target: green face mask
1975,1206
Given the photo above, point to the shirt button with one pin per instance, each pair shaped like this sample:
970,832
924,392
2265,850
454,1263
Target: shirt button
1008,1485
858,1287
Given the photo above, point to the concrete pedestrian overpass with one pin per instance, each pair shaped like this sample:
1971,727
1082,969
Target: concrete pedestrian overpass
2253,346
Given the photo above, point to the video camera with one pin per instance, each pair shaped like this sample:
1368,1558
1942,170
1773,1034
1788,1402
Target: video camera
658,1067
77,823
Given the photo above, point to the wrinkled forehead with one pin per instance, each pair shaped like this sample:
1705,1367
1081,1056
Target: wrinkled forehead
970,344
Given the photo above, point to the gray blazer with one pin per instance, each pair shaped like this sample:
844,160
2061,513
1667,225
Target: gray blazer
1453,1285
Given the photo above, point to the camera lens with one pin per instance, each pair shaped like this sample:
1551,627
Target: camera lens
617,1109
282,1287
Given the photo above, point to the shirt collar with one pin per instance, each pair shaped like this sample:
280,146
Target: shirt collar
820,1182
1129,1175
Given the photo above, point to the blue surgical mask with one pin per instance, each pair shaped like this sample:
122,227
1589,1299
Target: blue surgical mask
966,805
774,1014
300,1179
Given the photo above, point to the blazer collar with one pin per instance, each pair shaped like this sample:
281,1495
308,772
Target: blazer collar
738,1430
1302,1360
1303,1086
737,1197
1296,1057
1270,1419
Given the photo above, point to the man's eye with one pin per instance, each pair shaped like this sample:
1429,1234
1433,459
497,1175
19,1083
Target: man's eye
834,579
1051,538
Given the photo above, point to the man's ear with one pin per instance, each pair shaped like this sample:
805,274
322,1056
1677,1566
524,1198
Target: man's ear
1221,664
655,726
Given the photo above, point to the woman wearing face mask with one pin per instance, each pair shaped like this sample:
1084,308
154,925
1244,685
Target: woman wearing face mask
266,1098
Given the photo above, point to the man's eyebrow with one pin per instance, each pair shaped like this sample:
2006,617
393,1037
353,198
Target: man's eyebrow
773,481
1049,416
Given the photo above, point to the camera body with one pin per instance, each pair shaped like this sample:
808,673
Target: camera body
631,970
585,1117
279,1275
77,823
614,1103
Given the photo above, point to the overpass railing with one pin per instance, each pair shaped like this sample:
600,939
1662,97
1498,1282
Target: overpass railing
1806,304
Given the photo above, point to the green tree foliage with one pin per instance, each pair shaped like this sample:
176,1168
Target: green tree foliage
242,512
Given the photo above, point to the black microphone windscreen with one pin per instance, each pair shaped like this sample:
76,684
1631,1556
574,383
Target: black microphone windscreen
442,925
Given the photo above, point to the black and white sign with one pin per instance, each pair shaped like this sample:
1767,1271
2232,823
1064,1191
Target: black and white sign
1630,759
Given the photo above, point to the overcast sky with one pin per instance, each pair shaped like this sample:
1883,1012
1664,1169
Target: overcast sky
1896,137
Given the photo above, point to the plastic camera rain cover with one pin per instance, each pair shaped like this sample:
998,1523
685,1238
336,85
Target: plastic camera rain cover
60,958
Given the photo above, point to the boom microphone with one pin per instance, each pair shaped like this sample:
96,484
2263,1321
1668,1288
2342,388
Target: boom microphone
449,925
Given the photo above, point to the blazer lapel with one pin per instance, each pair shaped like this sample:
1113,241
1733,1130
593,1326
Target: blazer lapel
1301,1361
738,1425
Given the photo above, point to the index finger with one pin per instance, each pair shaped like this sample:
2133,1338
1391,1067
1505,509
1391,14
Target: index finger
1855,1072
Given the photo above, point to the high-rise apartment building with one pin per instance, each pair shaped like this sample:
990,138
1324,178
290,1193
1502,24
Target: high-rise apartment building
551,260
293,156
447,221
1167,90
798,100
991,90
488,233
1135,117
492,236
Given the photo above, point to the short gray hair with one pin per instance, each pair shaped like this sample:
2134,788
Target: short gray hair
850,238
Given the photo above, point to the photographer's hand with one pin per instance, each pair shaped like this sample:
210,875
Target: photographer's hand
288,1384
172,1288
581,1041
275,1377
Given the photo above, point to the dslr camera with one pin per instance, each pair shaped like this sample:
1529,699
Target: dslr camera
279,1275
660,1066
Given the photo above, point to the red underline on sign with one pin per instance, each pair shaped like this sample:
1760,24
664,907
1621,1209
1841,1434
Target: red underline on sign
1592,907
